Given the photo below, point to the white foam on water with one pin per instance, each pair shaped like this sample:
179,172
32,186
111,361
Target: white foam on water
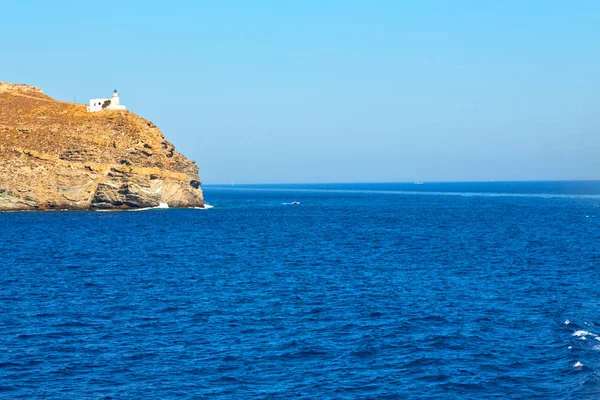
570,347
583,334
159,206
206,207
578,364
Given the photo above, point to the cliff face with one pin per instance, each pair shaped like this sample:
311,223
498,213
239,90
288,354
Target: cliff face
56,155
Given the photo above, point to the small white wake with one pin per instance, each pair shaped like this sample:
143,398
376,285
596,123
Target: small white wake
159,206
583,335
206,207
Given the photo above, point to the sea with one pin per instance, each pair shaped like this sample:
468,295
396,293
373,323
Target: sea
485,290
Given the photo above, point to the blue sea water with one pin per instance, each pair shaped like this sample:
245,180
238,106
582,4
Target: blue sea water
437,291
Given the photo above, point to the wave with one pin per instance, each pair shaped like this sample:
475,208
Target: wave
583,335
206,207
160,206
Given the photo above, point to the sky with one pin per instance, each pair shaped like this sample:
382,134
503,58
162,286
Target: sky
333,91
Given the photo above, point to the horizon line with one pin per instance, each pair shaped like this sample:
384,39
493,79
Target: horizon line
402,182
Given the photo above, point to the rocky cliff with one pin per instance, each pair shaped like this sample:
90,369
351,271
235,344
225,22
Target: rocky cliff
56,155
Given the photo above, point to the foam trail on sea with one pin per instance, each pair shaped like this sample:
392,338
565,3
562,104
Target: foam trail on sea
583,334
159,206
206,207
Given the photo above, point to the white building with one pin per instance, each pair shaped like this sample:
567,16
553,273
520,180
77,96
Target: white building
106,104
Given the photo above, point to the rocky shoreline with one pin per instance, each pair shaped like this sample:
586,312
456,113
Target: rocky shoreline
55,156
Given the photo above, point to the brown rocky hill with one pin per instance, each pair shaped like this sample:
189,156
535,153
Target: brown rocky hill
56,155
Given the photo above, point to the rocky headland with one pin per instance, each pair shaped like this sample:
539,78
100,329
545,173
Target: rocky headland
56,155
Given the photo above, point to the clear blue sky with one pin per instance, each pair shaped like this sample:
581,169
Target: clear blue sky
333,91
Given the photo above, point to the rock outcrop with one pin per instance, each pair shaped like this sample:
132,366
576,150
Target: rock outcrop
56,155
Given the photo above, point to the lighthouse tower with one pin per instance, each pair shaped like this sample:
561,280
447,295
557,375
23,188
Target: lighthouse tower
115,99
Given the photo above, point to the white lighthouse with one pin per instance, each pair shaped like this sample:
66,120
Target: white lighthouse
115,99
106,104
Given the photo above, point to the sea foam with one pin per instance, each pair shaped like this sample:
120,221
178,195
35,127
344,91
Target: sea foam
159,206
581,334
